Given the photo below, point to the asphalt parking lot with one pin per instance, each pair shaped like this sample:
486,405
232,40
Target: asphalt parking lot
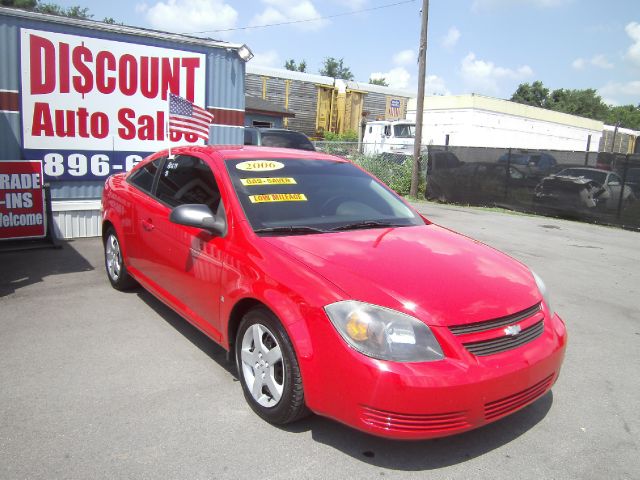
95,383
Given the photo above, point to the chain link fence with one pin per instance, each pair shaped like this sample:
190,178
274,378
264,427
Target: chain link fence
587,186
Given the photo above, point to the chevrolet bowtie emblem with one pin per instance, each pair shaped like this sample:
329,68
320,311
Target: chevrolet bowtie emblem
512,330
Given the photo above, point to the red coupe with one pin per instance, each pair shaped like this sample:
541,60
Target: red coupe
335,296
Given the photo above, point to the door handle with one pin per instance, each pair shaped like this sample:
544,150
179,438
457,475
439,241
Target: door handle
147,225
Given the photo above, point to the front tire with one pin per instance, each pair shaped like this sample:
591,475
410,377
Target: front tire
114,264
268,369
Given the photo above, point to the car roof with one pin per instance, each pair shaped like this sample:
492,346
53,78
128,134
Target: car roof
230,152
589,169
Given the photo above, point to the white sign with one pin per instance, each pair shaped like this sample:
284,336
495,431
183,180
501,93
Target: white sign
85,93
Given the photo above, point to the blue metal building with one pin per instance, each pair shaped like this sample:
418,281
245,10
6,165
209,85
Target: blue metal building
87,98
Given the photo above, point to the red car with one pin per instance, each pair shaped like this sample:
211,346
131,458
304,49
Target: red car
335,296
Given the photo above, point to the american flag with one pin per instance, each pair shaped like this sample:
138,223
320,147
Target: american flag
186,117
394,108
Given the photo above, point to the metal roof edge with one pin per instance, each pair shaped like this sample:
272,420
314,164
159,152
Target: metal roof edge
324,80
499,105
369,87
109,27
288,74
626,131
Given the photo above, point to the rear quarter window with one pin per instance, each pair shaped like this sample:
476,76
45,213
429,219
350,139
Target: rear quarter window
286,140
144,176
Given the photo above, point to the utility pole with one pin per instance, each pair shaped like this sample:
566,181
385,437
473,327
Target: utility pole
422,66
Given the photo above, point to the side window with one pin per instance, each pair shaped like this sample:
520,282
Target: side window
143,177
387,130
262,124
613,178
187,179
250,137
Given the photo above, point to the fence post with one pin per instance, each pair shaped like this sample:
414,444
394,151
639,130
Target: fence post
586,155
507,175
624,183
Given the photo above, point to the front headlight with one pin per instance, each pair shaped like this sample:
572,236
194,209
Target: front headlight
543,290
383,333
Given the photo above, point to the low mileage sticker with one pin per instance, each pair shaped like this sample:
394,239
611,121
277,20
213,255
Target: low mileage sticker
278,197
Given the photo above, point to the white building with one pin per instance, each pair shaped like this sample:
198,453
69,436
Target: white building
477,121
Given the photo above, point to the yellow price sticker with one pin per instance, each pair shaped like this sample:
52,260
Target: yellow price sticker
249,182
278,197
259,165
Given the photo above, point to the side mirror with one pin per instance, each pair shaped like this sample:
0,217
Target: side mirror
199,216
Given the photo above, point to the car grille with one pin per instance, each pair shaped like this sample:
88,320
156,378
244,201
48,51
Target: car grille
502,341
502,344
506,405
498,322
403,422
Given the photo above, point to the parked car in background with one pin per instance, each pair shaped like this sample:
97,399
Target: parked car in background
277,137
476,183
441,160
536,161
332,293
583,188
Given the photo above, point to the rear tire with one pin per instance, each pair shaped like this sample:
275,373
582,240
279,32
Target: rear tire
114,264
268,369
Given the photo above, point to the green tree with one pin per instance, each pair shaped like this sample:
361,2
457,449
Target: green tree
336,69
583,103
24,4
379,81
627,115
50,8
535,94
291,65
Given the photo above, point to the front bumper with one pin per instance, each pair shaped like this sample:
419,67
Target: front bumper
433,399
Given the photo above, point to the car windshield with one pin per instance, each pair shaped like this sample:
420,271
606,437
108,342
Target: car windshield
594,175
284,139
296,196
404,130
519,159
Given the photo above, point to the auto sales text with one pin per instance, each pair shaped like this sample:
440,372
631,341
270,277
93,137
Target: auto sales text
60,68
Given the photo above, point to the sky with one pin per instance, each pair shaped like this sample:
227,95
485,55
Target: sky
485,47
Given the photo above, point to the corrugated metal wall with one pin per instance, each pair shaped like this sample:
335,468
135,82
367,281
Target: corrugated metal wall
10,127
77,223
303,97
10,135
375,104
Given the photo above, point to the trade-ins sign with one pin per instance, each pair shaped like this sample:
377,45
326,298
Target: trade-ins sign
92,107
22,211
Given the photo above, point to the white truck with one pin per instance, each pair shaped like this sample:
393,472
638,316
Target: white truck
383,136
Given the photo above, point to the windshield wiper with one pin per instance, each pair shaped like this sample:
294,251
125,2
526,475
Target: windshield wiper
367,224
290,229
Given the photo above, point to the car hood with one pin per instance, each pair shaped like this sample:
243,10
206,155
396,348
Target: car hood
430,272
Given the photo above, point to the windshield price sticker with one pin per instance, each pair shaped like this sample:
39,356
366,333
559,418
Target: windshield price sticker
249,182
278,197
259,166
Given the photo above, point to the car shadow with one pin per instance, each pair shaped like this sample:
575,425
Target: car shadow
380,452
207,346
21,268
425,454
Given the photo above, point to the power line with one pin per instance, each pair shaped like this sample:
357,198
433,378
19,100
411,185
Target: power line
344,14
